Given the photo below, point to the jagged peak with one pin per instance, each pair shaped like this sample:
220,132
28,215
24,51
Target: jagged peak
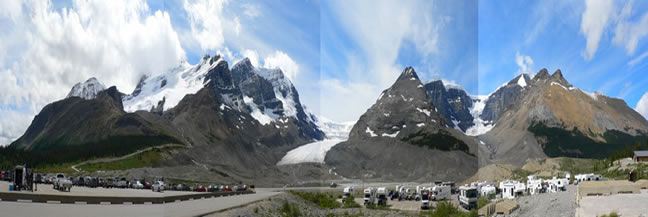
542,74
557,74
87,89
244,62
408,74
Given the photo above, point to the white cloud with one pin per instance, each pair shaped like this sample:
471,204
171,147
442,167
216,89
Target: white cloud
594,20
629,33
284,62
642,105
525,63
251,10
351,98
638,59
12,125
11,9
205,19
253,56
51,50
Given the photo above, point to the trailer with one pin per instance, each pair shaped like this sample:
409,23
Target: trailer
369,196
468,197
381,196
441,192
347,192
19,177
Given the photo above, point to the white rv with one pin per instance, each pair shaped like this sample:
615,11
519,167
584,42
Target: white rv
587,177
369,196
381,195
556,185
348,191
534,185
441,192
488,190
468,197
425,198
509,188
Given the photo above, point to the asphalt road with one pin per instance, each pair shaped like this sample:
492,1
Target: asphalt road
184,208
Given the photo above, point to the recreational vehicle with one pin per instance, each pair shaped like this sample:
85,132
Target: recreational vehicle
468,197
369,196
425,198
441,192
347,192
381,195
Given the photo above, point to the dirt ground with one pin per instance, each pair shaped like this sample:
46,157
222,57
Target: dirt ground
622,204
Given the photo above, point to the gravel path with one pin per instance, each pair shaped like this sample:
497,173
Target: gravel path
548,204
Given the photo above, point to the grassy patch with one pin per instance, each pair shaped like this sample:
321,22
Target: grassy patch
378,207
322,200
57,168
144,159
612,214
288,209
447,209
350,203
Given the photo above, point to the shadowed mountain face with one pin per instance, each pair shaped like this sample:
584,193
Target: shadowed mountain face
404,137
93,126
550,117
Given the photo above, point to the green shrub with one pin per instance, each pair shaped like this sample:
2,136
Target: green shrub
324,201
289,210
350,203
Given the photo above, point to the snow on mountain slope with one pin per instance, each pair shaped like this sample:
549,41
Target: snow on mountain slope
87,89
481,126
172,86
310,153
335,130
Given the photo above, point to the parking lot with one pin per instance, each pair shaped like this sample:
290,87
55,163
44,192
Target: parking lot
99,191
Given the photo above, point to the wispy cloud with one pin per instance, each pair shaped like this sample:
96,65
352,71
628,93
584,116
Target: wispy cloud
594,20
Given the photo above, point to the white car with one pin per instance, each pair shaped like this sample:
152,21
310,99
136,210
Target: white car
137,184
158,186
61,183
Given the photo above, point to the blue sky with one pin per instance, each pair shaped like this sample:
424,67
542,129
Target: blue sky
339,54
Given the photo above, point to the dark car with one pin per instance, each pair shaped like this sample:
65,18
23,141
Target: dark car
200,188
213,188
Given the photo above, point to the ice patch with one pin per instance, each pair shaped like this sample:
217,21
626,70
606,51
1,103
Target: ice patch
480,126
553,83
522,81
393,135
427,112
310,153
420,124
594,95
255,112
370,132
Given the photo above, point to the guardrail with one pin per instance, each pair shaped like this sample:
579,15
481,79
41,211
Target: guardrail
44,198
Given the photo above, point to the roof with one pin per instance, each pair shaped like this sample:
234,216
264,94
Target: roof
641,153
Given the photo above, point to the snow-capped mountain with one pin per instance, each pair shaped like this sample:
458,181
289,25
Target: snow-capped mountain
170,86
87,90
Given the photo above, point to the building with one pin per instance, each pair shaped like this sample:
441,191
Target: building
640,156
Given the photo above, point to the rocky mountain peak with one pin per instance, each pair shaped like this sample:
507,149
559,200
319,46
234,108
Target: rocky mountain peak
542,74
558,77
408,74
87,90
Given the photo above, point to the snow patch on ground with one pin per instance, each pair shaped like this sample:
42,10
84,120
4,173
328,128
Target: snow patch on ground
480,126
427,112
310,153
420,124
256,113
370,132
393,135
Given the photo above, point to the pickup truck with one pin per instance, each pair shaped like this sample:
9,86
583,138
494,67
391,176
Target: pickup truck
61,183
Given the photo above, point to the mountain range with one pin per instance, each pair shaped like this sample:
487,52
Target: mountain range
238,122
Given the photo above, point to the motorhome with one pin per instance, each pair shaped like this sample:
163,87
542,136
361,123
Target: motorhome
425,198
556,185
347,192
488,190
381,196
534,185
511,188
441,192
468,197
369,196
587,177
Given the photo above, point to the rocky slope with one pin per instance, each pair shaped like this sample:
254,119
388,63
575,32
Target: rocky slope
550,117
404,137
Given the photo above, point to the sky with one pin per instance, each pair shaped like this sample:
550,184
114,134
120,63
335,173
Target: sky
339,54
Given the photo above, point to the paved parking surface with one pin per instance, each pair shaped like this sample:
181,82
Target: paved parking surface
622,204
83,191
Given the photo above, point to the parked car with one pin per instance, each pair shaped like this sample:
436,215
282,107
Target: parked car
147,185
227,188
61,183
181,187
108,183
158,186
213,188
200,188
120,183
136,184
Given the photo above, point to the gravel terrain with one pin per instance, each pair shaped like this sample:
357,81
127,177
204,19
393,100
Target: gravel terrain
548,204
